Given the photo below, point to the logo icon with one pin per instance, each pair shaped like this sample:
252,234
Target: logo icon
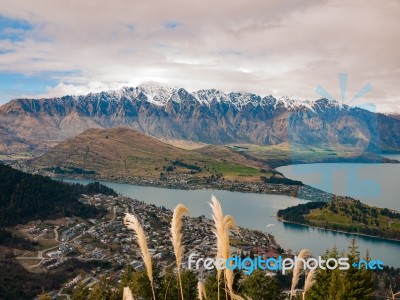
343,87
336,131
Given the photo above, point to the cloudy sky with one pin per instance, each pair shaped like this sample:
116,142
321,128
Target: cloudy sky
283,48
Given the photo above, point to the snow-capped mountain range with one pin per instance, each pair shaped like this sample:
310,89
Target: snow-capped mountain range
160,95
209,116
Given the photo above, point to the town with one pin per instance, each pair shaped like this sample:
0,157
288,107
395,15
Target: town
107,239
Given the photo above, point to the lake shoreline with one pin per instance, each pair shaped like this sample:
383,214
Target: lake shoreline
247,191
307,192
339,231
336,160
255,211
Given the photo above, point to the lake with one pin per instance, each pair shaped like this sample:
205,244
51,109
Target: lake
256,211
374,184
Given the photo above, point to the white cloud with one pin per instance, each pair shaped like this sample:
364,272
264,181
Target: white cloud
266,47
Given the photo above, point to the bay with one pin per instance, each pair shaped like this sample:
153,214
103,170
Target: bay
373,184
256,211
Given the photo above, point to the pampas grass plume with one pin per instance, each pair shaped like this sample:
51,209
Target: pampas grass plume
310,281
133,223
222,226
176,237
304,254
201,290
127,294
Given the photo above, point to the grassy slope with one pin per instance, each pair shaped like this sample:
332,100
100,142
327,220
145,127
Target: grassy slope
285,153
346,214
124,152
234,164
354,216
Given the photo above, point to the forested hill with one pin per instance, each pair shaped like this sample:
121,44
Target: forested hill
346,215
25,197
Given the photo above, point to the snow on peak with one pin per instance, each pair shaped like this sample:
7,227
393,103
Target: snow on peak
295,103
160,95
152,93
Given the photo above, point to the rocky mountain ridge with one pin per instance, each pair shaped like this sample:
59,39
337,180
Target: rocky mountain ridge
209,116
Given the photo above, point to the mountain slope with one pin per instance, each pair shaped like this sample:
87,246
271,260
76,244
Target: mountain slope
121,153
25,197
208,116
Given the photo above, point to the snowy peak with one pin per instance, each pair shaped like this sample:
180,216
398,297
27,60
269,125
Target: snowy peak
209,116
159,96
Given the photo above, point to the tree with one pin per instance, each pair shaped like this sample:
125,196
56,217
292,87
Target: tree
358,283
141,287
328,282
80,292
189,284
102,290
259,286
44,296
170,285
126,280
349,284
211,286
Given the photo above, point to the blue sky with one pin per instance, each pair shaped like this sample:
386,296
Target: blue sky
13,29
266,47
27,85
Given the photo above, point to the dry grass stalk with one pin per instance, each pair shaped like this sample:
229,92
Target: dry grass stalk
127,294
394,295
236,297
218,218
222,226
133,223
310,281
201,290
298,268
176,237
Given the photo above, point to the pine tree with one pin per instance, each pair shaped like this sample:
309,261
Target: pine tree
44,296
211,286
80,292
141,287
189,284
126,280
102,290
170,285
329,282
351,284
259,286
358,283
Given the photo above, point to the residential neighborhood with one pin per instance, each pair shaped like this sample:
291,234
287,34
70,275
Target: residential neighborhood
109,240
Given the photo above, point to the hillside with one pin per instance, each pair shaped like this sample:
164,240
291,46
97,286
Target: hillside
118,153
285,153
346,215
205,116
25,197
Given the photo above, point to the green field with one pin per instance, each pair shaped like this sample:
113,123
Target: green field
285,153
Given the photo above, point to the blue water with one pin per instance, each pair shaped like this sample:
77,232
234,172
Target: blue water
374,184
256,211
